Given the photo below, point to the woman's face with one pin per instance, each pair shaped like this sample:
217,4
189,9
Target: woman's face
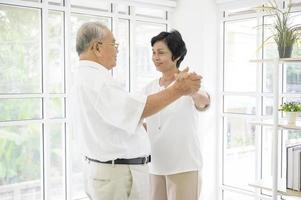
162,57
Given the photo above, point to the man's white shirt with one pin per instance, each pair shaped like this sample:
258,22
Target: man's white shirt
105,118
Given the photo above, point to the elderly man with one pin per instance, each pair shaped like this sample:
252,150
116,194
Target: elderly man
108,120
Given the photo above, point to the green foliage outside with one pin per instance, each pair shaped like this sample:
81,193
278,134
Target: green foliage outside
19,154
20,50
21,73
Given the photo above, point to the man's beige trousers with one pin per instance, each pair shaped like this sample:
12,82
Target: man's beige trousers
181,186
116,182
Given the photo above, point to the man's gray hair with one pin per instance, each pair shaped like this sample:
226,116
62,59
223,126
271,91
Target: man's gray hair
88,33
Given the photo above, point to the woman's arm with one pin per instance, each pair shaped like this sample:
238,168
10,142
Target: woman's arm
201,100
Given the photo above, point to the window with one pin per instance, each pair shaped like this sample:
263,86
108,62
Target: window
20,79
38,151
122,70
240,45
21,67
144,71
239,152
247,94
20,151
239,78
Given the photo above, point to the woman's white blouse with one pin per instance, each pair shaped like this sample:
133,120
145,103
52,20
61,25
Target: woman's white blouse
174,136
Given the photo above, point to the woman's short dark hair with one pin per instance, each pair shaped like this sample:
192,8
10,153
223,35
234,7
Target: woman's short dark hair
174,42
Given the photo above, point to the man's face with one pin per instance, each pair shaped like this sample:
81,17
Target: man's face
108,50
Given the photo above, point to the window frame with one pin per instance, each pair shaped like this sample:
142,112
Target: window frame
226,14
68,9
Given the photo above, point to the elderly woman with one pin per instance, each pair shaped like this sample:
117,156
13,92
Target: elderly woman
173,132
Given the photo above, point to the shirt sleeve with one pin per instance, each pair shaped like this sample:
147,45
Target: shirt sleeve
119,108
207,106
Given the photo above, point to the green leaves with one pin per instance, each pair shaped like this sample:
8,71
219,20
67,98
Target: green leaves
291,107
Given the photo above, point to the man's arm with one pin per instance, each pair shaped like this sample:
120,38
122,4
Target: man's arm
158,101
185,86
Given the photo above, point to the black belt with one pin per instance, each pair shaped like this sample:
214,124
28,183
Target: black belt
123,161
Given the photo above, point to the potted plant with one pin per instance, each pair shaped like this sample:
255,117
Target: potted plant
291,109
284,33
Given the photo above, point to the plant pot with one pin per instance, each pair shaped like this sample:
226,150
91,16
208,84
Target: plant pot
291,118
285,52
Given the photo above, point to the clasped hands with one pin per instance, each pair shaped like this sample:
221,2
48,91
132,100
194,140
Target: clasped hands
188,83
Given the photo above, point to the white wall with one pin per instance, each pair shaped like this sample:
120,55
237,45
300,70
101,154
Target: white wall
197,22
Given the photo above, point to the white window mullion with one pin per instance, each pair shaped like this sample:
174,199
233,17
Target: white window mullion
132,51
259,106
219,103
68,82
22,3
45,138
91,12
115,19
151,20
23,96
252,94
30,122
114,24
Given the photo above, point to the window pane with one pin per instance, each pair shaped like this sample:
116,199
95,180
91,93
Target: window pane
292,78
78,191
76,21
20,166
240,46
150,12
144,70
228,195
270,51
56,158
266,153
267,134
123,9
56,108
56,52
239,152
121,71
292,137
268,70
240,104
269,46
20,50
296,20
267,104
20,109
